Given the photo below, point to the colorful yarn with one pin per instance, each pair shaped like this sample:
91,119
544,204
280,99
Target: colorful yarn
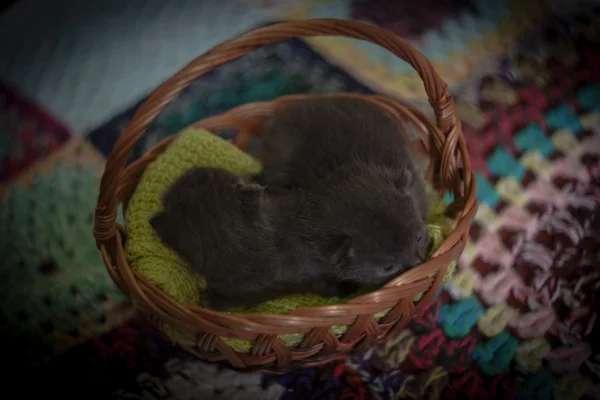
52,278
395,349
483,35
386,384
503,386
312,383
529,355
426,385
457,319
495,355
495,288
350,383
568,359
563,117
462,285
426,320
473,386
425,349
495,319
571,387
27,134
456,355
535,324
467,386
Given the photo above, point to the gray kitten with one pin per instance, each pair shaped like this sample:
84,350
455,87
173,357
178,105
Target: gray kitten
231,233
252,246
366,203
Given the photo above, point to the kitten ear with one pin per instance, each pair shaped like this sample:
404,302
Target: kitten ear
337,247
404,180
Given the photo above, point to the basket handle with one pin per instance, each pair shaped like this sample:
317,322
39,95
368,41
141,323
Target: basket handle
437,92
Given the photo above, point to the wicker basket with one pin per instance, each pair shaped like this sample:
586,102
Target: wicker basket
449,171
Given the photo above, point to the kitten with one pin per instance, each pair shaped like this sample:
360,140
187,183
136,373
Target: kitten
229,232
252,246
214,221
366,203
363,231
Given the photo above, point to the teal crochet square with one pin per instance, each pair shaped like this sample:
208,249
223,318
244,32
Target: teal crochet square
533,137
486,192
458,319
563,117
495,355
502,164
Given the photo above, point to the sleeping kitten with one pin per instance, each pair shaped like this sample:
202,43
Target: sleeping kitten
214,222
368,203
355,231
253,247
227,231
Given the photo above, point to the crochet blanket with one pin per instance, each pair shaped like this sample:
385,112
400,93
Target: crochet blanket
517,322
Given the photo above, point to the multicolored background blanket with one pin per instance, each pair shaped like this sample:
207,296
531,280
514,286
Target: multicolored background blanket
517,322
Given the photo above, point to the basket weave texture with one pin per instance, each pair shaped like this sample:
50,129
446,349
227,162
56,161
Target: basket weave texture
449,171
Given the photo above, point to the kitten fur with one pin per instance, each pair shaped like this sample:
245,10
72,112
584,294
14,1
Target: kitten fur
252,246
229,232
366,202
